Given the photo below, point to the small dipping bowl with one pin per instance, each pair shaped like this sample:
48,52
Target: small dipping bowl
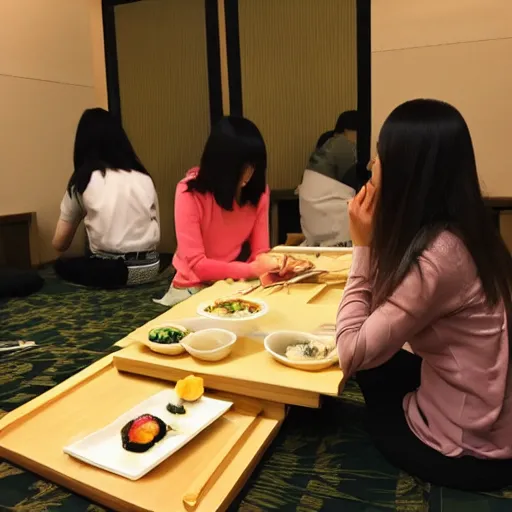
210,344
277,342
168,349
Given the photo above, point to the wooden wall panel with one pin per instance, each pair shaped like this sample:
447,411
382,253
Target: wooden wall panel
473,74
163,82
46,81
46,40
299,71
506,228
38,124
400,24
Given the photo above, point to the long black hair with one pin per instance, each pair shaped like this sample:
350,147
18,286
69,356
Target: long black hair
100,144
429,184
324,138
347,120
234,143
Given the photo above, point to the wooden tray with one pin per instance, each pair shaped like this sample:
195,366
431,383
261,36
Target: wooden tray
293,310
249,370
298,250
98,395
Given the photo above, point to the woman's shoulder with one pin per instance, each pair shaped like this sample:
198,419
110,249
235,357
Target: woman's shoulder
189,175
182,185
186,194
266,195
449,255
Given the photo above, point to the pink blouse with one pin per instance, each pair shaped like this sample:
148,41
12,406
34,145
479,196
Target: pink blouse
466,386
210,238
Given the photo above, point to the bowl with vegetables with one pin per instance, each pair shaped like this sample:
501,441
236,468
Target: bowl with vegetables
302,350
166,339
234,314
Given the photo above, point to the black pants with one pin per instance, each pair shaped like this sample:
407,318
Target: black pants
19,283
108,274
384,389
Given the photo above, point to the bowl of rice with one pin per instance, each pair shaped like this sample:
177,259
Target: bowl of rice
302,350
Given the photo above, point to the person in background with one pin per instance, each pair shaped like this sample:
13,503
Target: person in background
329,181
429,268
324,138
113,193
222,212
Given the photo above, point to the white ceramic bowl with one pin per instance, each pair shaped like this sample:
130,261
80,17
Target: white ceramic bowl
238,325
210,344
171,349
277,342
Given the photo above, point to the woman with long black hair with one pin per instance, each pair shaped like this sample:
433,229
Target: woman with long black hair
429,269
221,212
113,193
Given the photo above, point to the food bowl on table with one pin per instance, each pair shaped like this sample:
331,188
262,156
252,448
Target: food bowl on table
235,314
210,344
302,350
166,339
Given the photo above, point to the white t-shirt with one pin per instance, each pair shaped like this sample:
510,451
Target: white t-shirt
120,212
323,204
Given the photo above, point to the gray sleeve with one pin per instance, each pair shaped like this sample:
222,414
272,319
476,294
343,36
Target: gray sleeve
343,159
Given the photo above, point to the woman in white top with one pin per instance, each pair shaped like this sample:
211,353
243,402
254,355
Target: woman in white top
113,193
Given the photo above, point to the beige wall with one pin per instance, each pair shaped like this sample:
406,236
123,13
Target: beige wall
46,81
299,71
164,92
457,51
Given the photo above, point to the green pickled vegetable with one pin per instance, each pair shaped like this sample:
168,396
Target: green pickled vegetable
167,335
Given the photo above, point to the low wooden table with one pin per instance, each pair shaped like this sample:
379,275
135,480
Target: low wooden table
33,436
249,370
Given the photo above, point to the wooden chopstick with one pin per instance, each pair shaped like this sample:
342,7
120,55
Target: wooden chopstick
191,497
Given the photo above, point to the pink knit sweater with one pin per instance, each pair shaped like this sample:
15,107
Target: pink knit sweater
210,238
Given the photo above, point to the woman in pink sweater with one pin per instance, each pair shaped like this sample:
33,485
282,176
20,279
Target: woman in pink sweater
221,212
430,269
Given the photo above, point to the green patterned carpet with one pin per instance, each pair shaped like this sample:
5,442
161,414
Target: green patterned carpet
321,460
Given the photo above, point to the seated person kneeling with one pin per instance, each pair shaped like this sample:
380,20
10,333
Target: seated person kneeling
429,268
329,182
114,194
222,211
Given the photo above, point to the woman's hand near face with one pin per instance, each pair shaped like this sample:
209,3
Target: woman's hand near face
361,212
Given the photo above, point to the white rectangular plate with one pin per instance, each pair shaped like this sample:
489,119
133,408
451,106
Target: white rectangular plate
104,448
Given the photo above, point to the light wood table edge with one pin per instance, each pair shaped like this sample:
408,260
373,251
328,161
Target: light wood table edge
240,387
300,249
115,503
305,298
252,465
317,291
56,392
73,485
271,410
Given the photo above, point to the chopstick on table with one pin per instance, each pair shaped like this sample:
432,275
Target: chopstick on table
192,495
9,346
